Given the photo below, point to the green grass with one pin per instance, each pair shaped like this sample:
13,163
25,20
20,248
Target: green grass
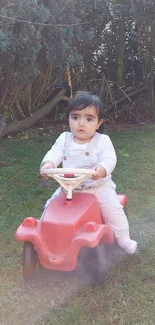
128,296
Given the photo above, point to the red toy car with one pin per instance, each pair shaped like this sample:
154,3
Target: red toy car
70,222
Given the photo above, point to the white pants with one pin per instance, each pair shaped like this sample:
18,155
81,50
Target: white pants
110,207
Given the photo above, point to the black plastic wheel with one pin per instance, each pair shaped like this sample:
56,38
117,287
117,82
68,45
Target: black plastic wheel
97,263
29,260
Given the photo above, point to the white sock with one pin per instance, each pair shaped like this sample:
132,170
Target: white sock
127,244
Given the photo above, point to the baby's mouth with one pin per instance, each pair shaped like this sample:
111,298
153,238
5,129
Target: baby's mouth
80,130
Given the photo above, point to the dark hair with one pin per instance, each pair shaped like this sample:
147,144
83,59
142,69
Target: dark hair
83,99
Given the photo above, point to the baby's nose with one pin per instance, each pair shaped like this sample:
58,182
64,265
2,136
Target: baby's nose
81,122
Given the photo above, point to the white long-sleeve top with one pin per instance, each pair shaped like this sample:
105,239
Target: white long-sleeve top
101,148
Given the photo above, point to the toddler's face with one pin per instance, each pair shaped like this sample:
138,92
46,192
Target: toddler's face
84,123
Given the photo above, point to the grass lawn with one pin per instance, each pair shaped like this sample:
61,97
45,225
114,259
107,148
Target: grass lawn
128,296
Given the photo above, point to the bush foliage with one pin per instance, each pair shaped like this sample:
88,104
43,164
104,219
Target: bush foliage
107,44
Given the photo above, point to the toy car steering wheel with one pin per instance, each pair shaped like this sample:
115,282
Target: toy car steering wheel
69,178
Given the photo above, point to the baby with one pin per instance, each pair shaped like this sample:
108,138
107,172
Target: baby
86,147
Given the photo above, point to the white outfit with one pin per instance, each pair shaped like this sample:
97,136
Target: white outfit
99,151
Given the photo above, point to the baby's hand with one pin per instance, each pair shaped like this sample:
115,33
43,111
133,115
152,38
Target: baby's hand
46,165
99,172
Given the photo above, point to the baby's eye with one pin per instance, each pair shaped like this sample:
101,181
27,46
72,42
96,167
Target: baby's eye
74,117
89,119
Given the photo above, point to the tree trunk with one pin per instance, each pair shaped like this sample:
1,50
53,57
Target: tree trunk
120,49
3,126
18,126
146,36
152,70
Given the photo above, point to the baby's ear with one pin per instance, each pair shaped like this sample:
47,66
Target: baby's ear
101,121
101,128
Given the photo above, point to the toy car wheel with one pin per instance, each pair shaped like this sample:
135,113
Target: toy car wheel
29,260
97,263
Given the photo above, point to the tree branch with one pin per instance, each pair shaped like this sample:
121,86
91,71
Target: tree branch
18,126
